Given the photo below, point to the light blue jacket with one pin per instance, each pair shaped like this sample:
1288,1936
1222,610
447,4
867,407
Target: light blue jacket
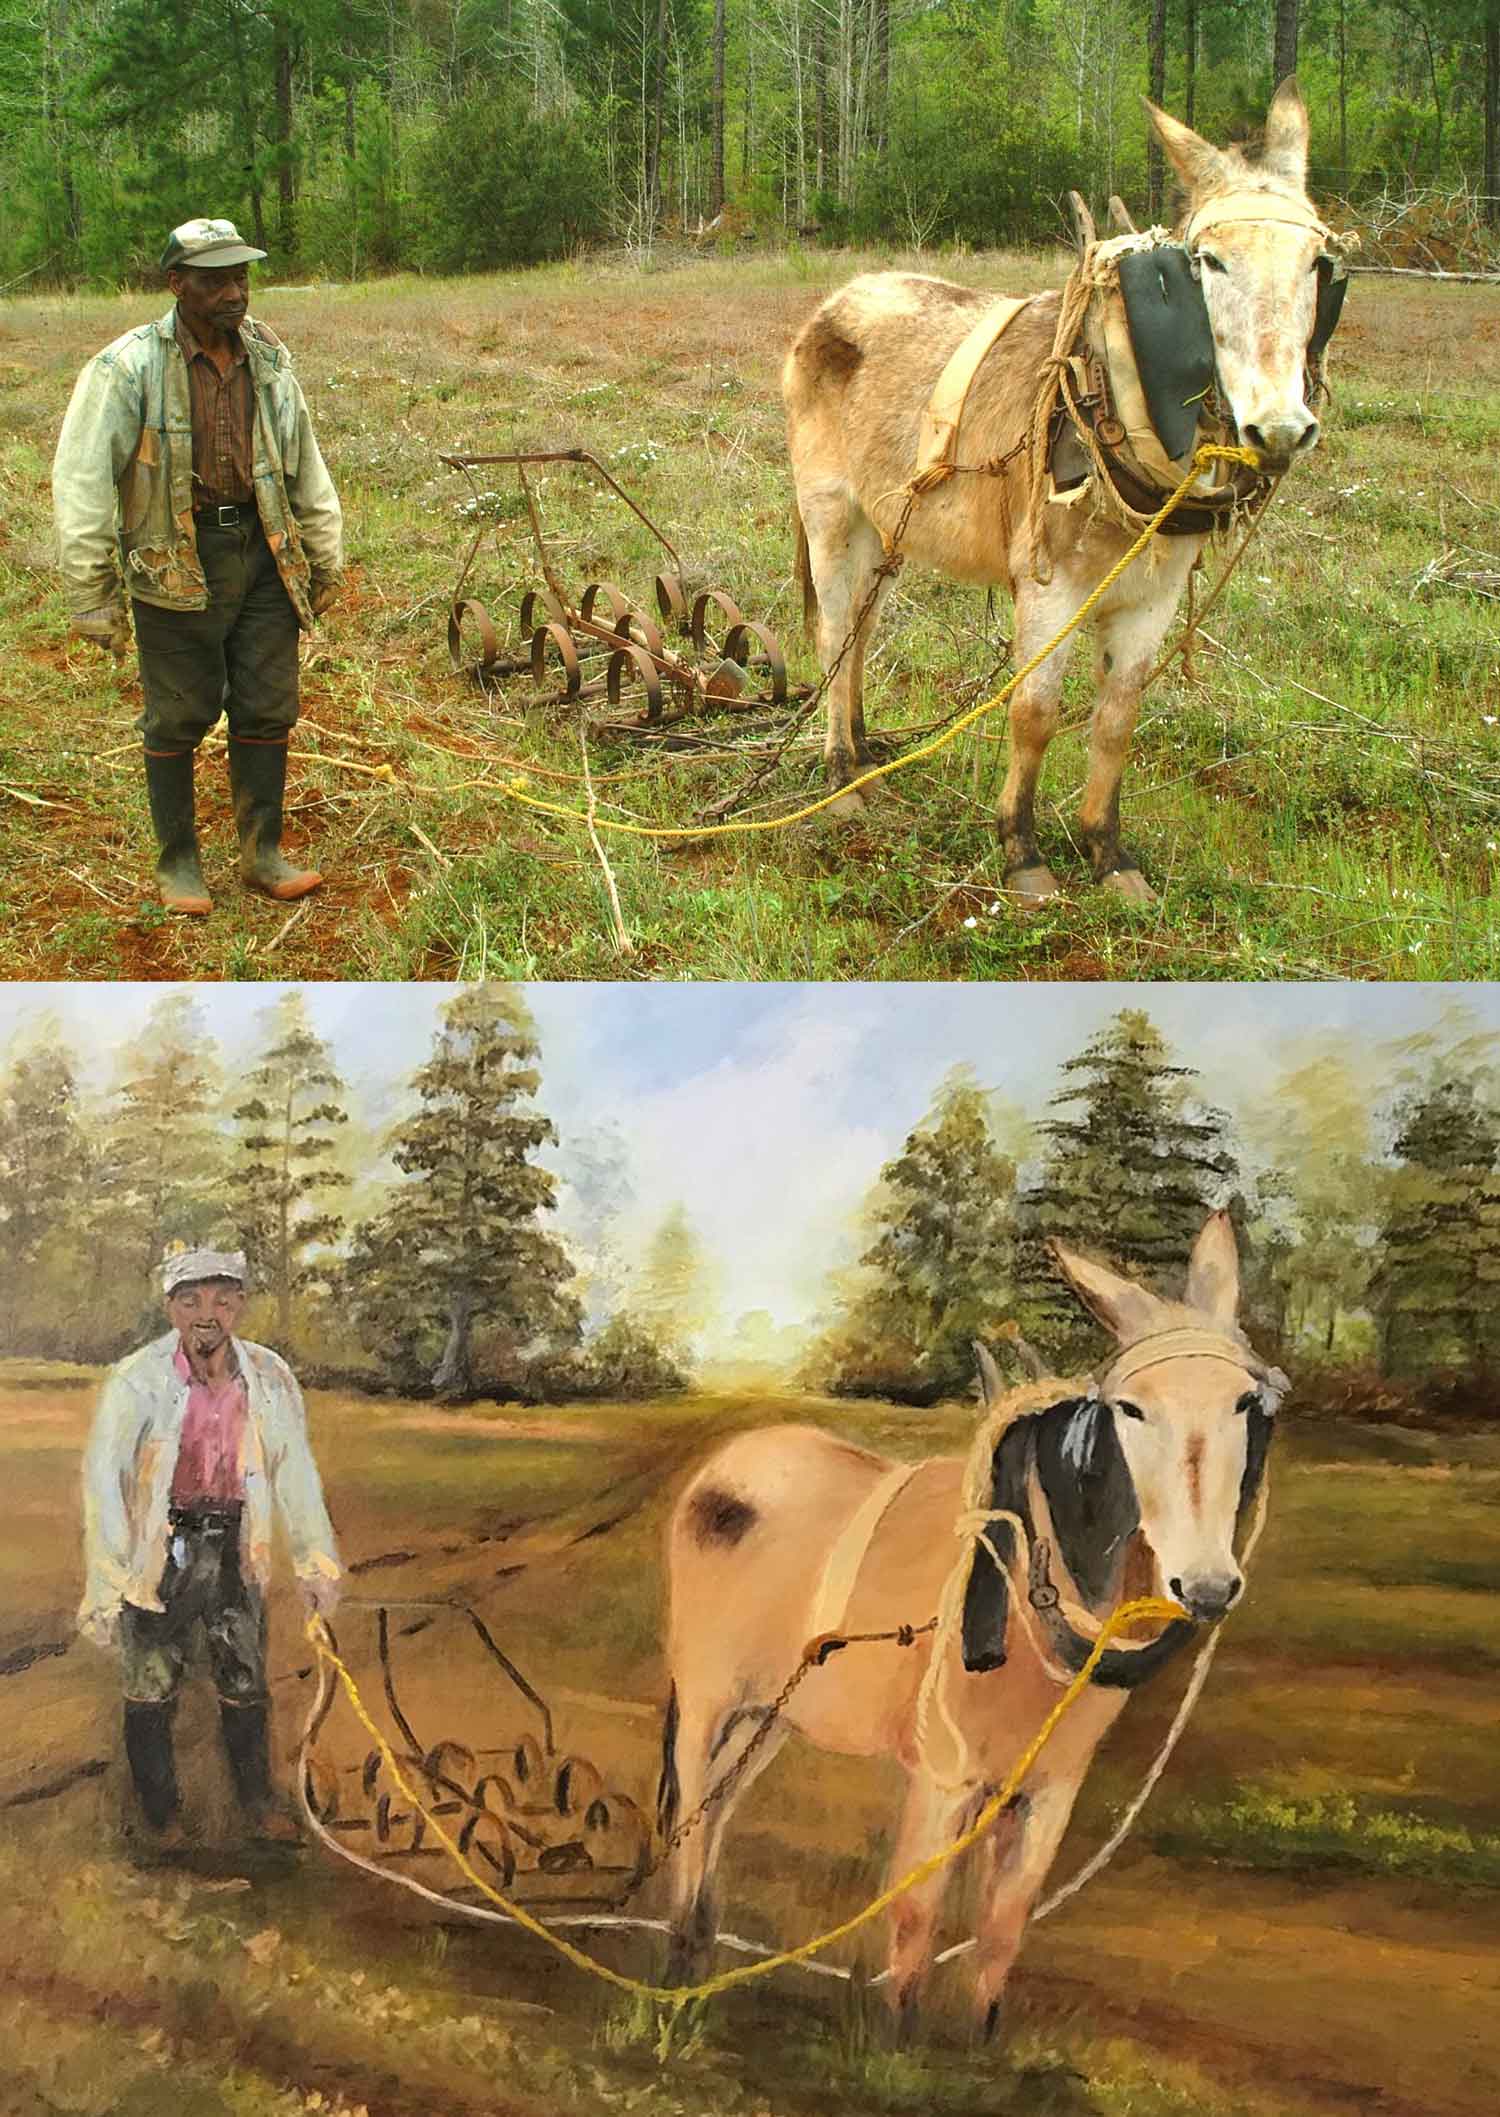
127,1482
122,478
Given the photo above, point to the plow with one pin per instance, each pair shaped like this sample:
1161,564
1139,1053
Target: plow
542,1823
684,650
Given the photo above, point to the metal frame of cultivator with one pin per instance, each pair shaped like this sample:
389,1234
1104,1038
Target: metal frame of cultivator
605,645
546,1826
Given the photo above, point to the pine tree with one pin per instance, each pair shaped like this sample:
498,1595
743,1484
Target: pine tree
674,1296
457,1250
938,1269
1436,1289
1130,1173
160,1174
43,1170
287,1129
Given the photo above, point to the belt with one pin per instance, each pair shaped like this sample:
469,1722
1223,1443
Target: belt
241,513
222,1519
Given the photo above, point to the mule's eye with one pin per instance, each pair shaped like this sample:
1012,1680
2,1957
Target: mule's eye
1214,264
1129,1411
1249,1402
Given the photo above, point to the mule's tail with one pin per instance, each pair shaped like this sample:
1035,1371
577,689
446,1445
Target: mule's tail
805,576
669,1786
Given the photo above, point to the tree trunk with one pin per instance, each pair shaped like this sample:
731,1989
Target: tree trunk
820,103
652,187
286,228
1492,114
880,119
453,1377
284,1229
1343,98
1284,57
716,189
1156,67
1189,58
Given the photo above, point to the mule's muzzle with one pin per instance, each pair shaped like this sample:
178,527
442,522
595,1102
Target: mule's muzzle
1279,442
1207,1596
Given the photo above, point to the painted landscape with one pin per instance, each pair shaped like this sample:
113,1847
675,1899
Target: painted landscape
1303,1921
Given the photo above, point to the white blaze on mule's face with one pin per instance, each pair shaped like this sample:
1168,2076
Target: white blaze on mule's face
1184,1438
1259,274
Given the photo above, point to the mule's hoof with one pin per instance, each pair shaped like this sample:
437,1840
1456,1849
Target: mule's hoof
852,806
1029,887
1130,885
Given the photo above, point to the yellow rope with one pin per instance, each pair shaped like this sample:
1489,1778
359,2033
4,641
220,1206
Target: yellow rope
515,788
675,1997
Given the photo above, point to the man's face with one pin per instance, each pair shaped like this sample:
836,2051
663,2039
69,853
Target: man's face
205,1312
212,298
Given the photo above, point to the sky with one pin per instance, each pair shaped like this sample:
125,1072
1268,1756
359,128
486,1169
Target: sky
766,1111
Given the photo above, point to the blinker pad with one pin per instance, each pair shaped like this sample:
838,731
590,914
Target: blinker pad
1171,338
1333,285
987,1597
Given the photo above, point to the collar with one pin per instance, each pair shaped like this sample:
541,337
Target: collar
178,1355
191,349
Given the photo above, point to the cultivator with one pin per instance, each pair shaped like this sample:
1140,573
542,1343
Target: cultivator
542,1825
696,652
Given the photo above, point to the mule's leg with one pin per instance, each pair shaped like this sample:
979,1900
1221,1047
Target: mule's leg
1128,633
708,1743
929,1821
1035,709
1016,1857
844,552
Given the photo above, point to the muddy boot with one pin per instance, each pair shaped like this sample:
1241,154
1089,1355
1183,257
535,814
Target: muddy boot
257,779
169,788
247,1744
153,1772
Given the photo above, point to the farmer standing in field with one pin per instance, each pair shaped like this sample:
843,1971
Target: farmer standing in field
198,1439
187,456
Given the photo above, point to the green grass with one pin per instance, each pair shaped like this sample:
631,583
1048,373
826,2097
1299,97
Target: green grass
1264,1831
1324,800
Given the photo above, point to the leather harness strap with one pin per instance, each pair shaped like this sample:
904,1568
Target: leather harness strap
847,1556
937,440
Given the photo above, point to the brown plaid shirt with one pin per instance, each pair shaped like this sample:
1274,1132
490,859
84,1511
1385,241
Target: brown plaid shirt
223,424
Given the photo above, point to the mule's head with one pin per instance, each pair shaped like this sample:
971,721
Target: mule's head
1262,256
1187,1404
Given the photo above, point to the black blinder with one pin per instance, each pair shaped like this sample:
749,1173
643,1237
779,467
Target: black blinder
1171,338
987,1598
1333,285
1258,1433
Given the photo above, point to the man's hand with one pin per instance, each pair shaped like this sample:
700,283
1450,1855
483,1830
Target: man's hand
326,593
320,1596
107,628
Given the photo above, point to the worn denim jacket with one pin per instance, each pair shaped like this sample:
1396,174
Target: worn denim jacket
127,1482
122,479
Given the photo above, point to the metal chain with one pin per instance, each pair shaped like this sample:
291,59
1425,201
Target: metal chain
815,1654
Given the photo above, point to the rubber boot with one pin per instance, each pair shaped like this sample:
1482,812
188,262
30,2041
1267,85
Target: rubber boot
169,788
247,1744
153,1772
257,780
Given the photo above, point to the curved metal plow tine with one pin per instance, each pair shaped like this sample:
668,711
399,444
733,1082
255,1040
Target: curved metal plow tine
738,637
616,599
671,600
630,656
534,602
644,631
489,642
713,599
558,637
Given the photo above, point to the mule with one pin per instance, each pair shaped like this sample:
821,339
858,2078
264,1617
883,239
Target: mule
1136,1488
857,381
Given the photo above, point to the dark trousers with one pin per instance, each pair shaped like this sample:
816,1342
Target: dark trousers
202,1586
238,656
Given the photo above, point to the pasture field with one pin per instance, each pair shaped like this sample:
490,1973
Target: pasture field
1323,799
1305,1924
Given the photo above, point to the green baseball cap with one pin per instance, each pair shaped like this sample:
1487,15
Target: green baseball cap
209,243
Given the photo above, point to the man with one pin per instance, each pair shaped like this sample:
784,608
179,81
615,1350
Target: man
187,454
199,1438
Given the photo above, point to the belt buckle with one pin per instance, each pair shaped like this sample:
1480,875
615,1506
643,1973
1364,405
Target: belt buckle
229,517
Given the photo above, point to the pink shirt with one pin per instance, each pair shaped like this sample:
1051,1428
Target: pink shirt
208,1453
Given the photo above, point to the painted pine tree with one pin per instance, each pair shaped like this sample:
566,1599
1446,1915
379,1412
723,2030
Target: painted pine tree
936,1272
286,1132
458,1251
1436,1290
44,1166
1133,1163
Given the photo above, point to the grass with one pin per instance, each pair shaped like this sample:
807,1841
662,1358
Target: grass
1280,1938
1324,800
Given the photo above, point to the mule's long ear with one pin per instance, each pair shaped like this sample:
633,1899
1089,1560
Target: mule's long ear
1213,1280
1201,166
1286,135
1120,1305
